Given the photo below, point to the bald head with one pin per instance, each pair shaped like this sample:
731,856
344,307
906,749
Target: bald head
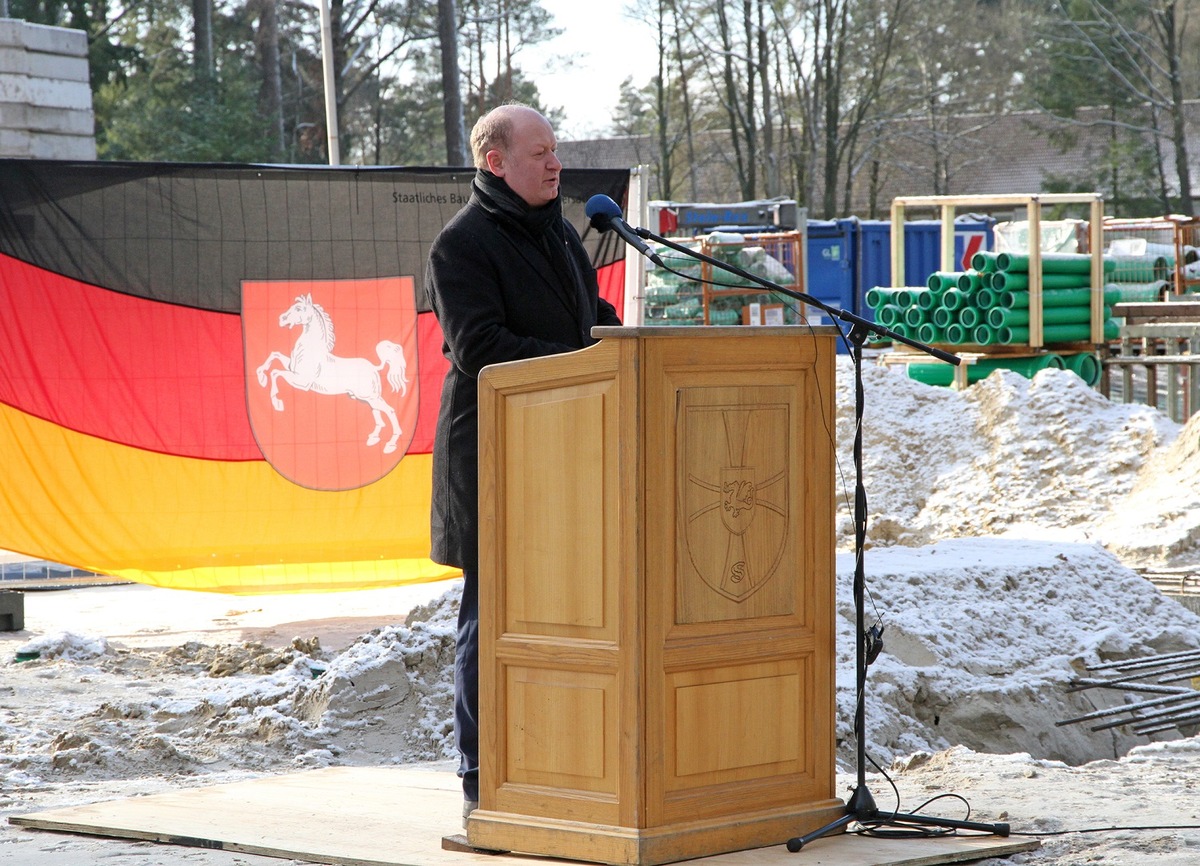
494,131
516,143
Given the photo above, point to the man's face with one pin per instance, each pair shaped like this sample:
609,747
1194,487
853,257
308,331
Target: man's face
529,166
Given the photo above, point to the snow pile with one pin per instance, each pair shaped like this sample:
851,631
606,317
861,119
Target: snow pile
1158,523
1007,455
65,645
389,698
386,699
981,637
85,719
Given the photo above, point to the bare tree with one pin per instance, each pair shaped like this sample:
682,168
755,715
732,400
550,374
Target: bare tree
266,41
836,65
452,106
498,30
1135,54
202,39
683,77
370,36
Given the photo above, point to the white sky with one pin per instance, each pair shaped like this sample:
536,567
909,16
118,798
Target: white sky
581,71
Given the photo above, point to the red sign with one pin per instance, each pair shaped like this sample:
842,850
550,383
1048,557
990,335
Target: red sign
331,378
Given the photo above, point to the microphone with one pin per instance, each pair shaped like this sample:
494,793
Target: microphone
605,214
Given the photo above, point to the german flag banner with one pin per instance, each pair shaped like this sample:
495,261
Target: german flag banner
226,377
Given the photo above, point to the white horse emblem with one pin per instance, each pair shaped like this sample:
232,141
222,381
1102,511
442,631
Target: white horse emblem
313,367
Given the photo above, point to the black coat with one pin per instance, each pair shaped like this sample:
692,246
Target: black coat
498,297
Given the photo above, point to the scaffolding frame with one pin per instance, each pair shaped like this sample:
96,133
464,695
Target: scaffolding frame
1033,203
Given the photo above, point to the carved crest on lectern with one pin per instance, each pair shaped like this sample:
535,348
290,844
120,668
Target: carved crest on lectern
736,495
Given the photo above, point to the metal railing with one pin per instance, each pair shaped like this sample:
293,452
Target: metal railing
1156,358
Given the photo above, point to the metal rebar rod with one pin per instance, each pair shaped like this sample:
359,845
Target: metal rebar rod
1079,685
1166,724
1189,674
1126,708
1149,660
1172,669
1149,717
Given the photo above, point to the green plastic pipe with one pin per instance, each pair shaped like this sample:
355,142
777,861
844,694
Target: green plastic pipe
984,335
1018,281
969,317
956,333
984,261
915,316
985,298
1140,269
931,333
941,317
1052,263
1056,298
970,280
1086,366
940,373
888,315
939,281
1001,317
877,296
1059,333
1138,292
936,373
953,299
926,299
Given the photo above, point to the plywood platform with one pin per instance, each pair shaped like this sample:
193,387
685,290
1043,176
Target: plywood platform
367,816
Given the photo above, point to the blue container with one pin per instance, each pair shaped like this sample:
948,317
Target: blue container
832,253
922,249
847,257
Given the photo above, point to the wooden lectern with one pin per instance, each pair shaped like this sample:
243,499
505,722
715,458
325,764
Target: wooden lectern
657,595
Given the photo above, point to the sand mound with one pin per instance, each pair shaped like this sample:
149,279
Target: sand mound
981,655
1009,454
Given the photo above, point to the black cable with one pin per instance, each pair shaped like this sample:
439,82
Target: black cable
880,829
1108,830
886,830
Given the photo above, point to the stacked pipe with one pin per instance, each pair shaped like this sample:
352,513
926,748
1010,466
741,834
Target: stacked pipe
1142,278
1066,297
988,305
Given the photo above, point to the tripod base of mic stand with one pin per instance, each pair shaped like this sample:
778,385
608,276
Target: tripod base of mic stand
861,808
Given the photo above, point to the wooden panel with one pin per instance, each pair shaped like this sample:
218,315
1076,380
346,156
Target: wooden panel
735,723
554,461
557,554
561,729
737,486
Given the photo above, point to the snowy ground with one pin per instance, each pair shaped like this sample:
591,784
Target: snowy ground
1004,520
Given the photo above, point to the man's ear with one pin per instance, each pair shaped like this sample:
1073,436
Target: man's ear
495,162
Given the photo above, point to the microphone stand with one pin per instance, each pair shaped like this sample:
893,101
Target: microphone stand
861,806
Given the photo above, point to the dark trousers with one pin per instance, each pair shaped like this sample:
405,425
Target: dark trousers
466,686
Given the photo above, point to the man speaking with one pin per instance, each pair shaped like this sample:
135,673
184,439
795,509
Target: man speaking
508,278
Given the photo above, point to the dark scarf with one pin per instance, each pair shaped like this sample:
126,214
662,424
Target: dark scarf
495,196
543,225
